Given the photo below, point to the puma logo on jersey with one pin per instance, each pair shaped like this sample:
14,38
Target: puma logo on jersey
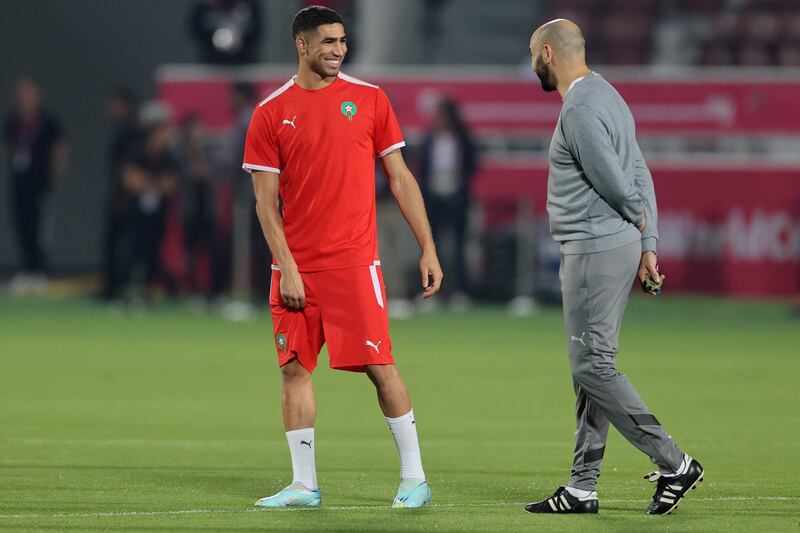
373,345
291,122
576,339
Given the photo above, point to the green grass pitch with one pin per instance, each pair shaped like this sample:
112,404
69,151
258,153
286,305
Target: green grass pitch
170,420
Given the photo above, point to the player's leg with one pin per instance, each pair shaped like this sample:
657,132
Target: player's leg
299,414
396,406
391,389
298,339
353,303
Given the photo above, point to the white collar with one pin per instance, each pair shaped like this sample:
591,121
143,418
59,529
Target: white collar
571,85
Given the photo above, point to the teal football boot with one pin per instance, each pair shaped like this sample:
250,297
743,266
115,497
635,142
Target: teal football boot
295,495
412,494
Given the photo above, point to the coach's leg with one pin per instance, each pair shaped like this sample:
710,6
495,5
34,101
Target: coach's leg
591,433
591,428
299,413
608,277
396,406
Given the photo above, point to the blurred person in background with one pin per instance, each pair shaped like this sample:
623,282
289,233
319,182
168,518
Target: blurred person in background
235,212
447,165
125,136
226,31
257,255
37,157
243,98
197,195
150,179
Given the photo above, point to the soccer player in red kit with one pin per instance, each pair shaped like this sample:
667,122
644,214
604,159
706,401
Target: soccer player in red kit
311,149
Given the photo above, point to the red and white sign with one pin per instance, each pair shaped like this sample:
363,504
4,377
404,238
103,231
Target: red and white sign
722,230
517,104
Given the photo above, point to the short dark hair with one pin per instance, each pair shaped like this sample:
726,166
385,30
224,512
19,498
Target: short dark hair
310,17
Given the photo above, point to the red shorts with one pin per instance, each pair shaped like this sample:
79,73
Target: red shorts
345,308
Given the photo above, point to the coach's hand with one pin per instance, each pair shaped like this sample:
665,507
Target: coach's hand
292,291
431,273
649,265
643,224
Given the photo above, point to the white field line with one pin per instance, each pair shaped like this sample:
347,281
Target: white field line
112,514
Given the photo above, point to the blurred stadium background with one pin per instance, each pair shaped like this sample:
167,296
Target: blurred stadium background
713,85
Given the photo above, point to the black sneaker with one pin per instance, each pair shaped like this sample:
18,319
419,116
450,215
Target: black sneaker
563,502
670,490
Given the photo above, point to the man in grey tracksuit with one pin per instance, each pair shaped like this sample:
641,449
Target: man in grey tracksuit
602,208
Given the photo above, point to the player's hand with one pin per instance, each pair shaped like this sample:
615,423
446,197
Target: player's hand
431,274
293,293
649,265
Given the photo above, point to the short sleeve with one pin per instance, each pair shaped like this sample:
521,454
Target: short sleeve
260,147
388,136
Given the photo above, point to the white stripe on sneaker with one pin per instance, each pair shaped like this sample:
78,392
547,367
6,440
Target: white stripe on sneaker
565,502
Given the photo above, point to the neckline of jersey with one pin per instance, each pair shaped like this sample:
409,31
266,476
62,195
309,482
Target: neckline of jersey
331,84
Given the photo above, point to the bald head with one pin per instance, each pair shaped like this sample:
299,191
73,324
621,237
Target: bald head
563,36
558,54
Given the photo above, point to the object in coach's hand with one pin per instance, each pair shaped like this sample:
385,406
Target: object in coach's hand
650,285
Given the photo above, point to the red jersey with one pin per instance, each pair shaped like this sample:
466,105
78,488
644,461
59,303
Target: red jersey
323,143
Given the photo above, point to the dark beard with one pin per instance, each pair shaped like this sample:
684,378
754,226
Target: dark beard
543,71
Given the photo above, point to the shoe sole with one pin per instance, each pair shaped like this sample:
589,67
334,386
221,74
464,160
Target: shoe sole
420,506
295,506
560,512
694,486
313,503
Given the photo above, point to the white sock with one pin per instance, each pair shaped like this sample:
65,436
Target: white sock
404,430
582,494
301,447
681,469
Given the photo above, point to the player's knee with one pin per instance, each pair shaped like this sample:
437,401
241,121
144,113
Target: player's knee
293,372
383,376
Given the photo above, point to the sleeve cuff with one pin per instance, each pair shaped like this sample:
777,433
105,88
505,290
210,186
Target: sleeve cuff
250,168
391,149
649,244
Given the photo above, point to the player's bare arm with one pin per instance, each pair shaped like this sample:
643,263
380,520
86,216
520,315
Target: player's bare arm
408,196
266,187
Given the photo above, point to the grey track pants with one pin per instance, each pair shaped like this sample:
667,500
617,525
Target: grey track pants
595,290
